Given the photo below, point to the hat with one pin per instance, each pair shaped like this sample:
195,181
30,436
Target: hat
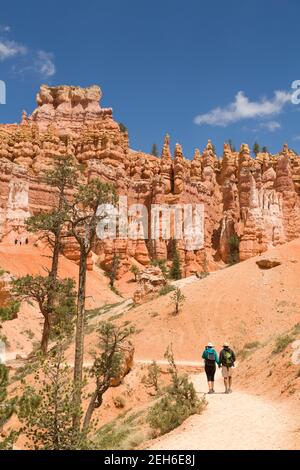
226,345
210,345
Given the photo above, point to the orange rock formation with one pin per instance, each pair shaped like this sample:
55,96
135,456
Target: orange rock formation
256,199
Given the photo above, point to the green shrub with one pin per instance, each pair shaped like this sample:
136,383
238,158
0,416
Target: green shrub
29,333
234,249
252,345
244,353
135,271
166,289
296,329
123,128
281,343
175,271
10,311
179,402
178,299
161,263
123,433
119,402
152,378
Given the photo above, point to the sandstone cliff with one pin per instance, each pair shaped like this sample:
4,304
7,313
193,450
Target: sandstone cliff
256,200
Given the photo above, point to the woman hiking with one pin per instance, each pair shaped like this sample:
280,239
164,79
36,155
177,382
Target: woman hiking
210,357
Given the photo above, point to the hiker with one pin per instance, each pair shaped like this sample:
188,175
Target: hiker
210,357
226,361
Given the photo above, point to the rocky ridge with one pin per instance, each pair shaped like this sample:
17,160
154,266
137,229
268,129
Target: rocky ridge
256,200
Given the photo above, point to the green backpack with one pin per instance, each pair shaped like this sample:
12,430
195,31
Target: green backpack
227,358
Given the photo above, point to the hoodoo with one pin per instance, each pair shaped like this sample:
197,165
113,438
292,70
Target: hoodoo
255,200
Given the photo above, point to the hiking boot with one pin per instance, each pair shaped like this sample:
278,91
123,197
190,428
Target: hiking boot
213,391
226,391
210,391
229,391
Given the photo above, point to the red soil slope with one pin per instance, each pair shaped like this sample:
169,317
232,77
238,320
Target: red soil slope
22,260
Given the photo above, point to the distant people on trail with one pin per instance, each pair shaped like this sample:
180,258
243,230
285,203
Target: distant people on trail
210,357
21,242
226,361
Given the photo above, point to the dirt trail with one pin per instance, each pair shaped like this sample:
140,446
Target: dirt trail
230,422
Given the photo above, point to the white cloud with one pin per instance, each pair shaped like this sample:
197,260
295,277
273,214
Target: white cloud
44,64
9,49
297,137
271,125
243,108
26,60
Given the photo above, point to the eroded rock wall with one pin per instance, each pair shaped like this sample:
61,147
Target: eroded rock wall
254,199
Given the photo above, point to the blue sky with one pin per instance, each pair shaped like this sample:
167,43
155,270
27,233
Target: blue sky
195,69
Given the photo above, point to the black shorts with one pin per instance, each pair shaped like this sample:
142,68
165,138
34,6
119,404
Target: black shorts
210,370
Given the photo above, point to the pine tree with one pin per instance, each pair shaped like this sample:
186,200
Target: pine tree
152,378
256,148
113,270
234,249
107,366
123,128
46,409
231,145
85,212
175,271
135,271
178,299
60,314
154,150
50,227
7,408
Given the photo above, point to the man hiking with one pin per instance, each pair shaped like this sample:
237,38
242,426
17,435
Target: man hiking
226,361
210,357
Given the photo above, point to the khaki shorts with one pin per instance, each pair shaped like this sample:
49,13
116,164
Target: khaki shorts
227,372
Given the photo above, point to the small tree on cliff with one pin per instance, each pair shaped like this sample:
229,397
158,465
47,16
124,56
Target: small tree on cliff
154,150
175,271
108,366
135,271
231,145
123,128
178,299
256,148
84,214
152,377
113,270
234,249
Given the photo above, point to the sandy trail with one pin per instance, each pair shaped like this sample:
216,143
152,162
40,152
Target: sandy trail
238,421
